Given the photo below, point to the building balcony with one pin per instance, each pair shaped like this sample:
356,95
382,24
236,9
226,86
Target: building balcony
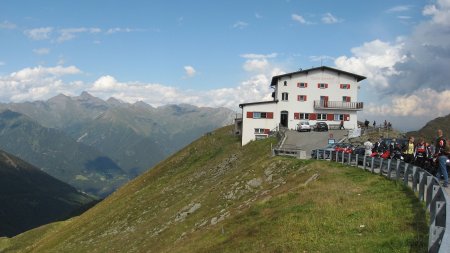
338,105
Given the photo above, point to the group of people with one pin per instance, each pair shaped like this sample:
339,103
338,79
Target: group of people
420,153
387,125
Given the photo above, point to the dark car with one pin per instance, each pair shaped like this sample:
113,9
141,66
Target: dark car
321,126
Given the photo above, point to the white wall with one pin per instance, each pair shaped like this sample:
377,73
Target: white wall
249,125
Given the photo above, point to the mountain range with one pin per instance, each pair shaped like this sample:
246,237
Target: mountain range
429,131
30,197
97,145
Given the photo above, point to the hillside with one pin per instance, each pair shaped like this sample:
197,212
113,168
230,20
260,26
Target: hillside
59,155
30,198
216,196
135,136
428,132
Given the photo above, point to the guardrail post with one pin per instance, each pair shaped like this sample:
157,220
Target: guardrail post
371,165
389,168
343,157
397,170
357,159
381,166
435,237
422,180
337,156
349,158
405,175
429,194
414,178
437,196
364,162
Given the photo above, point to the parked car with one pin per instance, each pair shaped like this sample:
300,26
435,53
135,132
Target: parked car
321,126
304,126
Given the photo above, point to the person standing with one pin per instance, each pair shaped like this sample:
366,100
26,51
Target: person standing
441,152
409,150
341,126
368,147
374,124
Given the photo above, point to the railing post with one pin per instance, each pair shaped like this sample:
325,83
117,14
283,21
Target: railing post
381,166
357,159
371,165
343,157
389,168
349,158
422,180
414,178
405,174
397,170
429,193
337,156
364,162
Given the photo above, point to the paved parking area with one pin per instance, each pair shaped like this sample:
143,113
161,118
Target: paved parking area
312,140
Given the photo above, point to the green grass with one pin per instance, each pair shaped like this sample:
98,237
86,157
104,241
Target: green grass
344,210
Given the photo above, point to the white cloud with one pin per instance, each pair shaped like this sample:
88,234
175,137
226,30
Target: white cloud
257,62
189,71
41,33
299,19
7,25
375,60
328,18
399,8
37,83
240,25
41,51
440,12
123,30
70,33
258,16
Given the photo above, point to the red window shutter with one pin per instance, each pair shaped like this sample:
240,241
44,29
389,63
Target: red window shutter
296,115
346,117
348,86
326,86
298,97
306,85
330,117
318,85
250,115
349,99
298,85
270,115
266,131
312,116
306,98
341,85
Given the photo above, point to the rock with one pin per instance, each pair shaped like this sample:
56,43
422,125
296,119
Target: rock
255,182
214,221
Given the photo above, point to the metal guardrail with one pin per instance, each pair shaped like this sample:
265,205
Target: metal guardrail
419,180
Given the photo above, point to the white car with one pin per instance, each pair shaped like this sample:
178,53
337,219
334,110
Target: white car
304,126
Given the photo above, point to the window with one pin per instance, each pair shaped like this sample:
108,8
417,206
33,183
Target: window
322,85
338,117
284,96
346,99
285,83
304,115
302,85
321,116
260,115
259,130
301,98
345,86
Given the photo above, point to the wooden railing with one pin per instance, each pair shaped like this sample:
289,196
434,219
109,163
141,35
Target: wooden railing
321,104
419,180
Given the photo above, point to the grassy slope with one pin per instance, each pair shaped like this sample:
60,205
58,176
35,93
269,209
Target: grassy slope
174,207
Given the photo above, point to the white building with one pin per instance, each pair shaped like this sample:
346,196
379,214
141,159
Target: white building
316,94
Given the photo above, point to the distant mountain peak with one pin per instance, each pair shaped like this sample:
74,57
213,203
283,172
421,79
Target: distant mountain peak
8,114
115,101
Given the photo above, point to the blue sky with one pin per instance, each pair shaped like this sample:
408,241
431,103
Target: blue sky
221,53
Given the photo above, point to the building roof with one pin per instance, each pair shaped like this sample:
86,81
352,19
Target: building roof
258,103
275,78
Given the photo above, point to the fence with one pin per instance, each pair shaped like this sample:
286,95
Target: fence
419,180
